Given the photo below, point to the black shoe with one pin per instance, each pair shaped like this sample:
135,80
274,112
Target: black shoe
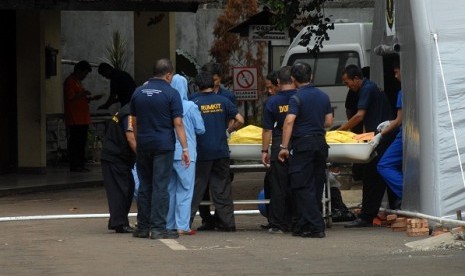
79,169
358,223
275,230
266,226
317,235
139,233
206,227
156,235
297,233
171,234
124,229
227,229
343,216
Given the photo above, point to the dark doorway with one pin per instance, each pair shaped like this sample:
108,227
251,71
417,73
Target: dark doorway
8,119
391,84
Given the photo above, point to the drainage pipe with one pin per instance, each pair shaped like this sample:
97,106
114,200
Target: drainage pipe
451,222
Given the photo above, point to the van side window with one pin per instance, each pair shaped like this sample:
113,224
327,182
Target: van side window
327,67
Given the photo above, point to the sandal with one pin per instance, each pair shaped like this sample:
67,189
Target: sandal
187,233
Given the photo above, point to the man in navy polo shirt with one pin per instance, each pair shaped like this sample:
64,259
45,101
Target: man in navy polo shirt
274,113
309,114
213,152
156,108
208,221
373,109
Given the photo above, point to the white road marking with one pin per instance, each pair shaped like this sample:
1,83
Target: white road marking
174,245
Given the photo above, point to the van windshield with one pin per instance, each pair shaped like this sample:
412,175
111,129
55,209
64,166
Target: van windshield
327,67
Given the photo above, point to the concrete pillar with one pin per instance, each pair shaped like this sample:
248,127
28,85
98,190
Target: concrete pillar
154,38
35,30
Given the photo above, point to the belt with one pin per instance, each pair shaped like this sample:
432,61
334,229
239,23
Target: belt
313,135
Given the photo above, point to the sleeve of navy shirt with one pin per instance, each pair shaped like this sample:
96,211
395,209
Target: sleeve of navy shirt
293,106
132,106
268,122
176,105
364,96
231,110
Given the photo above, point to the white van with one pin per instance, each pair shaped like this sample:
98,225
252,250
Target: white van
349,43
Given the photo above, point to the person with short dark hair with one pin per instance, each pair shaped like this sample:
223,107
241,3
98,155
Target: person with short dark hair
77,115
279,212
271,83
373,109
217,72
122,85
157,109
212,168
304,144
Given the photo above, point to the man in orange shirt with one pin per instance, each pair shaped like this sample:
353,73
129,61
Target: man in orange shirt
77,116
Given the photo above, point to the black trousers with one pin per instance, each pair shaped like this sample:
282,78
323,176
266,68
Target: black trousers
204,210
374,186
77,140
280,208
214,173
307,164
119,186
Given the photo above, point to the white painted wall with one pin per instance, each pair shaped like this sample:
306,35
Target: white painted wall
84,35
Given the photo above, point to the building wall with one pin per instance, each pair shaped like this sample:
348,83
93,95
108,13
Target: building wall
152,41
84,36
194,32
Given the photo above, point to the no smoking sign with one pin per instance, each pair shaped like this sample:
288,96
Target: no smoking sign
245,83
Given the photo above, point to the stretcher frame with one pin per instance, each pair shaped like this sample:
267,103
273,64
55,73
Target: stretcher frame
353,153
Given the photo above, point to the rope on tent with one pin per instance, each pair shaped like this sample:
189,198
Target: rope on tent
435,36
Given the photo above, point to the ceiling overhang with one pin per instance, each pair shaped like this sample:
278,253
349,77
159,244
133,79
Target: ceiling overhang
103,5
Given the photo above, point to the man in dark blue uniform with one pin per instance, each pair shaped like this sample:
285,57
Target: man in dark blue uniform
213,152
274,113
118,157
309,114
156,108
373,109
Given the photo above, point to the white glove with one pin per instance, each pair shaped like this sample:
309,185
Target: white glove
375,141
383,126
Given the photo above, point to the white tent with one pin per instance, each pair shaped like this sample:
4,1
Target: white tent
431,35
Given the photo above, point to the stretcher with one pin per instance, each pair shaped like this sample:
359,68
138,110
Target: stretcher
250,157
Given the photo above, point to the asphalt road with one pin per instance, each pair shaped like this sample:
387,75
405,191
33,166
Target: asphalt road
86,247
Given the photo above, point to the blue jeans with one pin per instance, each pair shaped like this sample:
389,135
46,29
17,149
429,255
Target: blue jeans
154,170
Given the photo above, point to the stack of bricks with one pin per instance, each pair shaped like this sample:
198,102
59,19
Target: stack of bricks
398,224
380,219
417,227
439,229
